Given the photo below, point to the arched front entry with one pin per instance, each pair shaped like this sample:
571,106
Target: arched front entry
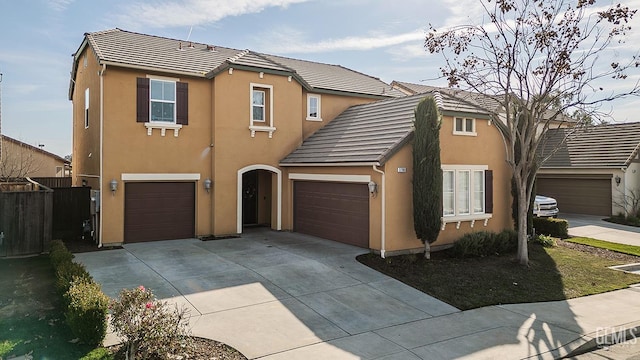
249,175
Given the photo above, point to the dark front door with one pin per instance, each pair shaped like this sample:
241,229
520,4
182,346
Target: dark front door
250,198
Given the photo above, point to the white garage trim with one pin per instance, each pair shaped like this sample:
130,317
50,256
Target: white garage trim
239,194
331,177
160,177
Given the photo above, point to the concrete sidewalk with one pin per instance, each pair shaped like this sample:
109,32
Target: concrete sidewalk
594,227
276,295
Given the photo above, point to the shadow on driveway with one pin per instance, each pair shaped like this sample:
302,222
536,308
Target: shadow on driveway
279,295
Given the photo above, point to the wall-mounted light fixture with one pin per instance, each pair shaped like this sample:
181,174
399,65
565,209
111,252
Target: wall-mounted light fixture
617,179
207,184
373,188
84,182
113,185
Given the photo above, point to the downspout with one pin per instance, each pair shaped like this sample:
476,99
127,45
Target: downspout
383,215
101,74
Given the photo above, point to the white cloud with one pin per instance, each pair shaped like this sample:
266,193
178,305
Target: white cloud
160,14
287,40
59,5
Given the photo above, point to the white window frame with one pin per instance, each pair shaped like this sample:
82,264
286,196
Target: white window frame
86,108
152,100
476,173
465,130
318,116
260,125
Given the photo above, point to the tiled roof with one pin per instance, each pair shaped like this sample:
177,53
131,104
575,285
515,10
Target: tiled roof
34,148
336,77
369,133
600,146
481,100
129,49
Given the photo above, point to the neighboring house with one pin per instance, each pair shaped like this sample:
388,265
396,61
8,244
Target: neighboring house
187,139
489,102
19,159
594,170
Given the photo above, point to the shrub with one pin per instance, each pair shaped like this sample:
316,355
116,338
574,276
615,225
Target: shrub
98,354
506,241
558,228
59,254
86,313
67,272
545,240
150,328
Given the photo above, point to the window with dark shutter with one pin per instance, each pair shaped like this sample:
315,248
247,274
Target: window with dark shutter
182,103
488,193
142,111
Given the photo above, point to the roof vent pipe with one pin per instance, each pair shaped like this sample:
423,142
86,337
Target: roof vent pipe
180,46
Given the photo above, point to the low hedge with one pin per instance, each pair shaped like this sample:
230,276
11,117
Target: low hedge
485,243
558,228
85,304
86,313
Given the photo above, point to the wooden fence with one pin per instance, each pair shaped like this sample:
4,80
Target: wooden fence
25,222
54,182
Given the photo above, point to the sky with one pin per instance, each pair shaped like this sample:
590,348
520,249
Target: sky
381,38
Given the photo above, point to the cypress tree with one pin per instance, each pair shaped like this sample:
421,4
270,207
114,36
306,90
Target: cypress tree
427,173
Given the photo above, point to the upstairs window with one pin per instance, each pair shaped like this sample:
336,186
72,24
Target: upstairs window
163,101
313,107
86,108
258,105
261,109
464,126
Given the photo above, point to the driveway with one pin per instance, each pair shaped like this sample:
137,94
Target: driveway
594,227
270,292
279,295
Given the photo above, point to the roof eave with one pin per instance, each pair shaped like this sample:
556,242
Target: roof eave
327,164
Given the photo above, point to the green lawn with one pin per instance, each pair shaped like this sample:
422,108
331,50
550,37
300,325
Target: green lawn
554,274
31,321
621,248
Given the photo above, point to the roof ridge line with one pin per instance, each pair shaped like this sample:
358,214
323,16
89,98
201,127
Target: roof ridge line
237,57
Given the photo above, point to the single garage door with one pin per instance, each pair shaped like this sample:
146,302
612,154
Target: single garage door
335,211
159,211
578,195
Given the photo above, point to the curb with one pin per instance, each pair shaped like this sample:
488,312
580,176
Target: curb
606,337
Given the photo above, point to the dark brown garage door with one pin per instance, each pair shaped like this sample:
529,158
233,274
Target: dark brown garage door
578,195
159,211
335,211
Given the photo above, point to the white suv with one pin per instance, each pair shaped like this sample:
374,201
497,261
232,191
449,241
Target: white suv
544,206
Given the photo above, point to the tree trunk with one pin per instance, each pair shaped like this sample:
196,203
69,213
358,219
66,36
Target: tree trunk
427,250
523,207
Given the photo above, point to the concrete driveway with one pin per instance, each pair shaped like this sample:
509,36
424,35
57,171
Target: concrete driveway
594,227
271,292
278,295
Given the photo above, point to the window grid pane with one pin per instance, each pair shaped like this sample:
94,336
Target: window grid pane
459,124
478,192
463,193
162,102
468,125
448,196
313,107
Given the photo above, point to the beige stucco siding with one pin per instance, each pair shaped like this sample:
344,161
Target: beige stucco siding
128,149
86,141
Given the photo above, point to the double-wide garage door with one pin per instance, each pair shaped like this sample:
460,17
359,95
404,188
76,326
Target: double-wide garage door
159,211
334,211
578,195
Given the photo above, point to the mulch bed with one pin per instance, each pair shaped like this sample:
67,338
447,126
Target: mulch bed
200,349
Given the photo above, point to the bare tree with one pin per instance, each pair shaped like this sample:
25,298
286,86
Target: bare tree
540,60
17,160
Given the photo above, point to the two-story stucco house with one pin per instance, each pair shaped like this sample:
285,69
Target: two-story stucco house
186,139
